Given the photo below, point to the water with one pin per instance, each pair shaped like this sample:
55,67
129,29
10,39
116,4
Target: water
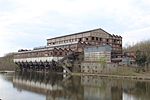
41,86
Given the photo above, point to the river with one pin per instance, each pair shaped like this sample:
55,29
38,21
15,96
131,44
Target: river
44,86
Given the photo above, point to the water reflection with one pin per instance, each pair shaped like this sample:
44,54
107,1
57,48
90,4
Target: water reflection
8,92
54,86
114,89
60,87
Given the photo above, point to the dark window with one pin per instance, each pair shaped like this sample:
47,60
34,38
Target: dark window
92,38
80,39
107,40
100,39
96,38
86,38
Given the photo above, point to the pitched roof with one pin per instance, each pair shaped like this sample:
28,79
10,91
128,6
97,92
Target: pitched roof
81,33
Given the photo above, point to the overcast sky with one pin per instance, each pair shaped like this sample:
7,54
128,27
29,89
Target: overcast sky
28,23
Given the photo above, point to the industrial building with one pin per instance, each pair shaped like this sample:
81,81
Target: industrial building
62,50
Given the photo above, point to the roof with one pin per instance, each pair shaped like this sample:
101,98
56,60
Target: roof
80,33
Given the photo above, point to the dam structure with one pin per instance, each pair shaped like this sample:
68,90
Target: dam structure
66,53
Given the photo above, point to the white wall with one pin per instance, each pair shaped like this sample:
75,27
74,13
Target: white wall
38,59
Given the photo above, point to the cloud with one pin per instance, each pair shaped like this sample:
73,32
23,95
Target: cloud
135,36
28,23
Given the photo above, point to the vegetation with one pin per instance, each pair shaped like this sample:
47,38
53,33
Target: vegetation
102,61
127,71
142,52
140,58
6,63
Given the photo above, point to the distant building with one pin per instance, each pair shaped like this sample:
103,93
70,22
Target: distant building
107,45
78,41
128,58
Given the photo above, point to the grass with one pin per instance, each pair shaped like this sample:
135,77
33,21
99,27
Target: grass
122,72
126,71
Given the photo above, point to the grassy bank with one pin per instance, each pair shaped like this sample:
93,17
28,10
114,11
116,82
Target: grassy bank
129,71
123,73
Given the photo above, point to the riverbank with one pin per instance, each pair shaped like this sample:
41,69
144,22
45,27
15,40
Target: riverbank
7,71
130,77
114,76
122,73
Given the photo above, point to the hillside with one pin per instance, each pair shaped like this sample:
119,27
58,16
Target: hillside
143,45
6,63
142,51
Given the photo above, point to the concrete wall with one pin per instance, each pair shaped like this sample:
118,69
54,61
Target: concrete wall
95,53
96,68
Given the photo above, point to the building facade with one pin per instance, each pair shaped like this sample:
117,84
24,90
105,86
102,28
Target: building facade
78,41
59,47
128,58
96,53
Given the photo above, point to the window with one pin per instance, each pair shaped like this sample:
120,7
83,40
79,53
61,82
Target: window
96,38
80,39
93,38
107,40
100,39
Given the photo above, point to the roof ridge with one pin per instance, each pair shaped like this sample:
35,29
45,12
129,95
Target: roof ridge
80,33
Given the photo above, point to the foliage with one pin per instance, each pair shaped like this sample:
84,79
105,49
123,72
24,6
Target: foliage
142,50
140,58
6,62
103,61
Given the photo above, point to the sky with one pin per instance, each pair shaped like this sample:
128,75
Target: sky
25,24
